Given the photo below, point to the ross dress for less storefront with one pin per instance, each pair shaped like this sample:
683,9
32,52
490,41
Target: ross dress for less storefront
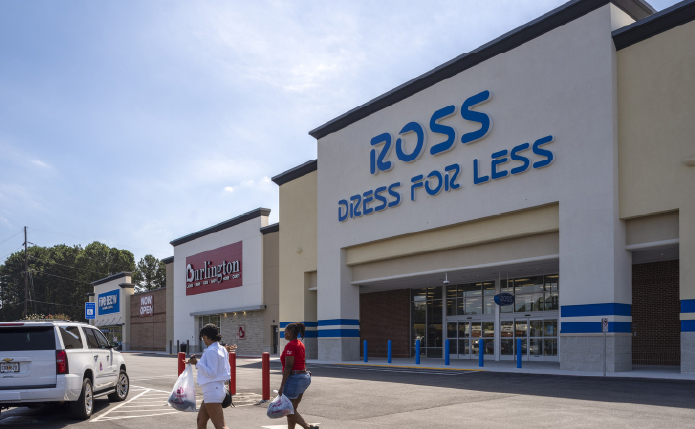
227,275
555,164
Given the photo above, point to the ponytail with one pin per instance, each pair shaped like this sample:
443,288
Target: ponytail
297,329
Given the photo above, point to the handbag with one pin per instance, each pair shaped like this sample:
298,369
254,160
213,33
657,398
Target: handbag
227,399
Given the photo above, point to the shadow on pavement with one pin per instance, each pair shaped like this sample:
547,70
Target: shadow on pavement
658,392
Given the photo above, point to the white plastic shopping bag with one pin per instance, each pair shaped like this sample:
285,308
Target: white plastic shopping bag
182,398
280,407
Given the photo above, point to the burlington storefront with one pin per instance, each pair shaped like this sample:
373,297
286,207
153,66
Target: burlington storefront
227,275
552,169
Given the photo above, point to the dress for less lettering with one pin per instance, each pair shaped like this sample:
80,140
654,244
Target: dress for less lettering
436,181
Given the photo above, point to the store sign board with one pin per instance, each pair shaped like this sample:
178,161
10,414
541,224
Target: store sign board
505,163
109,302
604,325
214,270
503,299
146,305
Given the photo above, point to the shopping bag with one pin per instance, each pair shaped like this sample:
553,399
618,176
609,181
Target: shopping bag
182,397
280,407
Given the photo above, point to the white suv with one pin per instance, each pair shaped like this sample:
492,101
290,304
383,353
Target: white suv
55,361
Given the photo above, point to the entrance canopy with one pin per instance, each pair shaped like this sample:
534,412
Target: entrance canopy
475,273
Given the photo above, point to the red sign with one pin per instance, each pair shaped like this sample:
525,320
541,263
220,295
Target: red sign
214,270
242,332
146,305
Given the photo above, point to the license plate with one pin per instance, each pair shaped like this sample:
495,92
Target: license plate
9,367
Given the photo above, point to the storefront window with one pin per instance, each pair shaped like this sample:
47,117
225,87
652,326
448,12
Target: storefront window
470,299
427,310
537,293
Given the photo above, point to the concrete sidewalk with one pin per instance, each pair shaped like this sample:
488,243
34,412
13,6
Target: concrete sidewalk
656,372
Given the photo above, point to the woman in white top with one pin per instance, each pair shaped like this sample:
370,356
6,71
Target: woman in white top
213,370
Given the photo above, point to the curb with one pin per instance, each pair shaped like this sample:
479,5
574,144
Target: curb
408,367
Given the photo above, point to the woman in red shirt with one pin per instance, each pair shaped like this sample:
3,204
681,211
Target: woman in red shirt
295,377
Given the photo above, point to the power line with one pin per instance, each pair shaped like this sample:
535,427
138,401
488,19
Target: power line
85,238
53,275
54,303
53,262
11,236
3,258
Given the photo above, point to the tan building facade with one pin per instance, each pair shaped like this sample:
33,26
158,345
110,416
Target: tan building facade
577,201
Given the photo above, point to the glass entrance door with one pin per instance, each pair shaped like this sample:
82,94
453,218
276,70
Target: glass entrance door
538,339
464,339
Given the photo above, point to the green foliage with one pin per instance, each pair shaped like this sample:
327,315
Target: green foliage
149,274
59,278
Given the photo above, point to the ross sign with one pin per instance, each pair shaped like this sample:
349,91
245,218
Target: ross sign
507,162
90,310
504,298
214,270
604,324
109,302
146,305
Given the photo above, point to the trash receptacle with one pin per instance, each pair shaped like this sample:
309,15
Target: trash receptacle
183,348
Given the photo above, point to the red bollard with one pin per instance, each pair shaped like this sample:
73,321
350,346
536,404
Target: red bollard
232,373
182,362
266,376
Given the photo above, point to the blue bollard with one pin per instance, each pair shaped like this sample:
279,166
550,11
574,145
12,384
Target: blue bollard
518,353
365,350
389,351
417,352
481,353
446,352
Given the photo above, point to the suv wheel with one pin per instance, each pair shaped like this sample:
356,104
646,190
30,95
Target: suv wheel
122,388
84,406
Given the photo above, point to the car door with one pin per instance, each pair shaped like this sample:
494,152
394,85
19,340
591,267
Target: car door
100,363
105,345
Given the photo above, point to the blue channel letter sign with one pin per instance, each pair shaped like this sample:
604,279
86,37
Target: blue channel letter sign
108,302
90,310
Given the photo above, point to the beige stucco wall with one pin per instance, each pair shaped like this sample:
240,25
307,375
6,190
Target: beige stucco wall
298,207
656,108
169,283
271,286
536,220
486,253
654,228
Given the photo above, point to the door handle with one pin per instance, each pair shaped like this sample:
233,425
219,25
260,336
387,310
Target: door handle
95,358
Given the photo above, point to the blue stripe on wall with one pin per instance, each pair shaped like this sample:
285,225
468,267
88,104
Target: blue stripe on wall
607,309
283,325
688,306
311,334
687,325
593,327
339,322
344,333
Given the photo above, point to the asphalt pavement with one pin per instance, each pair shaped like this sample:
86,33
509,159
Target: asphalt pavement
376,397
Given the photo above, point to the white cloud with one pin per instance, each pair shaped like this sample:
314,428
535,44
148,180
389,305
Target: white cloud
229,189
39,163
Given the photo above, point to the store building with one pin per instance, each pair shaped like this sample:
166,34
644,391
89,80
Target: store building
228,275
112,296
555,163
148,320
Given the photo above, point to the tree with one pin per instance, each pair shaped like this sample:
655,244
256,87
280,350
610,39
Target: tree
149,274
59,278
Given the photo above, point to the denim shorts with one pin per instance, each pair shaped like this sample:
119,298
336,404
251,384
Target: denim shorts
296,384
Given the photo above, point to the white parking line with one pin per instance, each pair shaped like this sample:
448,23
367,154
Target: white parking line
117,407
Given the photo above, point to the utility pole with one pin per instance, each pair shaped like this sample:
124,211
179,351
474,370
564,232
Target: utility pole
26,273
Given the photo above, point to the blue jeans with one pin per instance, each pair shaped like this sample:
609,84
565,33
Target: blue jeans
296,384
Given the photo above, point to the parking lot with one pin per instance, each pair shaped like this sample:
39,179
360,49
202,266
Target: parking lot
352,396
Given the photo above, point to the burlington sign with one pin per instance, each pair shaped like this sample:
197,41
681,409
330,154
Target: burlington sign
214,270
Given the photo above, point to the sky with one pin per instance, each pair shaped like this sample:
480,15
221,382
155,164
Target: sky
137,122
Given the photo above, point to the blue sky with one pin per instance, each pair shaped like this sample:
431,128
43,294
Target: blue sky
137,122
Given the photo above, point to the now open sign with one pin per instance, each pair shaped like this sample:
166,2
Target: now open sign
146,305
